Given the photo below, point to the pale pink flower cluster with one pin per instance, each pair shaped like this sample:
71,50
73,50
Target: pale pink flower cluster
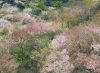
12,42
96,47
93,62
90,62
59,42
58,62
41,27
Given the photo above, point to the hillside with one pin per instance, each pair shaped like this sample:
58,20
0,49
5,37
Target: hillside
49,36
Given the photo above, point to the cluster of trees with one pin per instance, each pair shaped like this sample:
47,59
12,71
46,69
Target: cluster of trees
36,5
46,2
49,2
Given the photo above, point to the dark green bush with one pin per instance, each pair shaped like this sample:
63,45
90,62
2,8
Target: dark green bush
57,4
36,11
31,66
20,5
10,1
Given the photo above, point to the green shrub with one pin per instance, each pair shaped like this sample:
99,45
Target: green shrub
31,53
42,5
4,31
90,3
57,4
35,10
71,0
45,17
32,66
22,50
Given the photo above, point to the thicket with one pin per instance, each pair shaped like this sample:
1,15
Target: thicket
30,51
